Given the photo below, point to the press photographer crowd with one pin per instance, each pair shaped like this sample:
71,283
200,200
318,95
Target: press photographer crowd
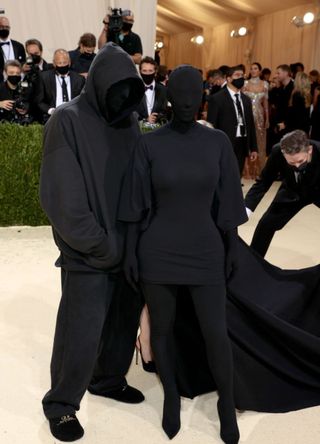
31,88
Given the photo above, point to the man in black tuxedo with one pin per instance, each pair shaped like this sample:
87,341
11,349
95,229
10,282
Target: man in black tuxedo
297,160
9,49
58,85
231,111
32,69
154,103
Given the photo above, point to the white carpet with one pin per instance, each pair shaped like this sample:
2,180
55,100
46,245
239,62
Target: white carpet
29,295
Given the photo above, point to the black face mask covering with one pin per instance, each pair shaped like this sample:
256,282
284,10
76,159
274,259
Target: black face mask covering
4,33
126,27
148,78
185,95
301,168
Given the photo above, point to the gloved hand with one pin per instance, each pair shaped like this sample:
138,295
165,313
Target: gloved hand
231,244
130,263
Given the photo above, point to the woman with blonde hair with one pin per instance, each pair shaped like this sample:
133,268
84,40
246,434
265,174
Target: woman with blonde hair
299,106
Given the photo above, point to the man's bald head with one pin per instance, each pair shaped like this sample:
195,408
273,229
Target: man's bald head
61,57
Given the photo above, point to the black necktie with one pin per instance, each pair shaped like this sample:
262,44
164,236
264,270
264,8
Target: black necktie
240,113
65,97
149,87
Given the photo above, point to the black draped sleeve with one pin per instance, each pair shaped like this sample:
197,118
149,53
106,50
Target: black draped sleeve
136,195
228,208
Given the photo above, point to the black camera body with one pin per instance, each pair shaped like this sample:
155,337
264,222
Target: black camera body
115,20
22,103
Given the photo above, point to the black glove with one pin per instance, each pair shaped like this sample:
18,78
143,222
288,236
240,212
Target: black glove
231,244
130,263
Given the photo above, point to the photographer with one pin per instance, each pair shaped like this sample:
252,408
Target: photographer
34,65
153,106
117,28
14,95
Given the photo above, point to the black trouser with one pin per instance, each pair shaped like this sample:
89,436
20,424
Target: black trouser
241,151
274,219
210,307
88,346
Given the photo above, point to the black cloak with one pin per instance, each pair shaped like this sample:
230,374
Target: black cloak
84,160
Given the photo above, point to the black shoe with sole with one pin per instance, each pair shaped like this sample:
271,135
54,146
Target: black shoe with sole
126,394
66,428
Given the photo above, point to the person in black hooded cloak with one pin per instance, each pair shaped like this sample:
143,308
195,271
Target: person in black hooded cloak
87,147
183,202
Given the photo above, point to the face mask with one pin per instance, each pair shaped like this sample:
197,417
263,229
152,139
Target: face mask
62,70
14,80
148,78
87,55
238,83
301,167
36,58
4,33
126,26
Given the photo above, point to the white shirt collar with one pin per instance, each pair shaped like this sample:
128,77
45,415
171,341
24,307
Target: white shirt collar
233,93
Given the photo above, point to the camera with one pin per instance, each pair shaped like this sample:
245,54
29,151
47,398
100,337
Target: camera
32,62
115,24
22,103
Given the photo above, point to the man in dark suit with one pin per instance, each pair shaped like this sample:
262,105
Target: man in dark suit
58,85
154,103
297,160
9,49
231,111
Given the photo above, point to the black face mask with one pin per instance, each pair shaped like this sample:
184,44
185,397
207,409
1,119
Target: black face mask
126,26
185,95
36,58
238,83
87,55
62,70
4,33
301,168
14,80
148,78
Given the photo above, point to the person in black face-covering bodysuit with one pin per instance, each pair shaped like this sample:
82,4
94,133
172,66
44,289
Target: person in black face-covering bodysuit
182,190
87,146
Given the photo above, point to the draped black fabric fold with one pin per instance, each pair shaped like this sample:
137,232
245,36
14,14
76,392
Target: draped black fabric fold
273,323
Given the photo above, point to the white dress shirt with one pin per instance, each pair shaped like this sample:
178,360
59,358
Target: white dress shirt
239,119
59,98
150,95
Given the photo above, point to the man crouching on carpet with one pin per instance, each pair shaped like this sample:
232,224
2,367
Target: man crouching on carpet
87,145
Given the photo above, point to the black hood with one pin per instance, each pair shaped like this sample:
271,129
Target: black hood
113,68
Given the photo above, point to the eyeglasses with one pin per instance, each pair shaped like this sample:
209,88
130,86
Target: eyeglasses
4,27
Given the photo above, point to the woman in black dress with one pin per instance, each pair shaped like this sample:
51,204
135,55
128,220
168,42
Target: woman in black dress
183,197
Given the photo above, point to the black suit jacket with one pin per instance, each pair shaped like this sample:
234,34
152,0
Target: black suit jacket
19,54
47,92
222,115
160,102
308,190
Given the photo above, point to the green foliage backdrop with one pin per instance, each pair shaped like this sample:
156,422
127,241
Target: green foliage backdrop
20,160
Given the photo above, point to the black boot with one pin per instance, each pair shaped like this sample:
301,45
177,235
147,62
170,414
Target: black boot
126,394
66,428
229,430
171,414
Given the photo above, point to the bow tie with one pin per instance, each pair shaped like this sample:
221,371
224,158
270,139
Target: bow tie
4,43
149,87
